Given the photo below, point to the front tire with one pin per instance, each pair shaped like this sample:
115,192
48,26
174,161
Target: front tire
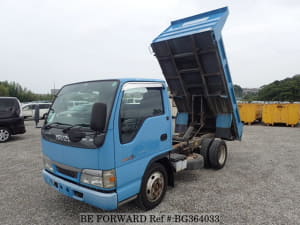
4,134
154,187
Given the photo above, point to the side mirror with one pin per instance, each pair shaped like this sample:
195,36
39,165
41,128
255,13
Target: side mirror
98,117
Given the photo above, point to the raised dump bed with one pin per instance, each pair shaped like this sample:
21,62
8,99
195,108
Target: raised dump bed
193,60
250,112
281,113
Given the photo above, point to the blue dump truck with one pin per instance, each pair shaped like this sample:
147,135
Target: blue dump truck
108,142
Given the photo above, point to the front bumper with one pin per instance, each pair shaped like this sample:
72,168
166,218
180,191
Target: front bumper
106,201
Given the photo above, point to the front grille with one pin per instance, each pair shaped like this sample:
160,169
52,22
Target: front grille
66,172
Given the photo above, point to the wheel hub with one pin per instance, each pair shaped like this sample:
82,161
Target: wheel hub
222,155
155,186
4,135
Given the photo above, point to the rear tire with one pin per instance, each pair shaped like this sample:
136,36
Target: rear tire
153,188
205,144
4,134
217,154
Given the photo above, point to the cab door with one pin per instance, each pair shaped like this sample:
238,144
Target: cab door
143,131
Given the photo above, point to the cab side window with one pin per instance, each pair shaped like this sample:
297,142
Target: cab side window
137,105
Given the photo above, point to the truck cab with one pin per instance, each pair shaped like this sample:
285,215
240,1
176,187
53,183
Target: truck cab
104,165
117,144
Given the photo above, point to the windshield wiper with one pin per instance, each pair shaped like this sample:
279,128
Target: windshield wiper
47,126
75,125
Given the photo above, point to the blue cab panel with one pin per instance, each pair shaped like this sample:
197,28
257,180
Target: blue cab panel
192,57
129,160
181,122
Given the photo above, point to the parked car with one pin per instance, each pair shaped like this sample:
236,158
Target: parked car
11,119
28,109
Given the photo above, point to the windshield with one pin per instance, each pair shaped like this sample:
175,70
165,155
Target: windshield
74,103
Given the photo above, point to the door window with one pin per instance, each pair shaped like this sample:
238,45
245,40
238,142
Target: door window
138,104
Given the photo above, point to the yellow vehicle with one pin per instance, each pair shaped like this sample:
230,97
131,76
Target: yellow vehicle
281,113
250,112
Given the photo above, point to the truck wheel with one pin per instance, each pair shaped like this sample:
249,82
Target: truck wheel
154,187
4,134
205,144
217,154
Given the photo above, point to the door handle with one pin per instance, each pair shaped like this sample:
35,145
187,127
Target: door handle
163,137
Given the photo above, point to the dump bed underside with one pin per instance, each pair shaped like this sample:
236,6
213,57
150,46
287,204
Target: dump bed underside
197,73
191,66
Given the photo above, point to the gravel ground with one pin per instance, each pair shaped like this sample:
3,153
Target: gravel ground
260,183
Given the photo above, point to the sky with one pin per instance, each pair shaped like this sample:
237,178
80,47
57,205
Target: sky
50,43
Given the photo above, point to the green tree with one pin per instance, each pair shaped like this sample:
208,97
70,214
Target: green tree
283,90
238,91
250,97
3,90
14,89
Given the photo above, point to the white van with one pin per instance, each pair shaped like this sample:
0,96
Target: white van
28,109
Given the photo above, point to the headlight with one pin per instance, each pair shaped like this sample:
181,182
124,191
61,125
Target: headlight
48,164
100,178
93,177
